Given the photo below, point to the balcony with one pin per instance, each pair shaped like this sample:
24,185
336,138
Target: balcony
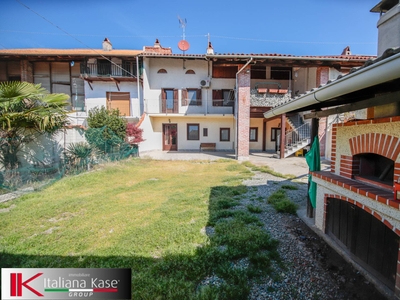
210,107
270,93
107,71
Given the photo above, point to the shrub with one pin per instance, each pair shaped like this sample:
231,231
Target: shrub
285,206
134,134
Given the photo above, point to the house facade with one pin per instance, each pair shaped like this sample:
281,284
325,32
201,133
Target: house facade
192,100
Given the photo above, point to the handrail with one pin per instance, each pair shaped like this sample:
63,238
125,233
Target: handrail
296,136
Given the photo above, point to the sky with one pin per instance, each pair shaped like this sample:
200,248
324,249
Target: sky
296,27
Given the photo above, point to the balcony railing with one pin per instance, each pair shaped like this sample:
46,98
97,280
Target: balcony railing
126,69
154,106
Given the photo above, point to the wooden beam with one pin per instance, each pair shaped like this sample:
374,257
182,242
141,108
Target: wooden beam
116,83
383,99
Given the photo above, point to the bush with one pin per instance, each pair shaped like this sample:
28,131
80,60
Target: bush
285,206
107,130
254,209
281,202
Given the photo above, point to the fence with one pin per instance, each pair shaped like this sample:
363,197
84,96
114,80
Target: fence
101,146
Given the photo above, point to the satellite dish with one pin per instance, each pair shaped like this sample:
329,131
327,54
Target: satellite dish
183,45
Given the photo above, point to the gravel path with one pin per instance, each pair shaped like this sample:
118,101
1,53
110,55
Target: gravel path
305,275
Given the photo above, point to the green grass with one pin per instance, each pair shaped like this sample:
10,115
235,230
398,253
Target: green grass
267,169
254,209
148,216
289,187
282,203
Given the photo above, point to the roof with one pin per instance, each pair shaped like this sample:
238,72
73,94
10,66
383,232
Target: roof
265,56
384,6
68,52
389,59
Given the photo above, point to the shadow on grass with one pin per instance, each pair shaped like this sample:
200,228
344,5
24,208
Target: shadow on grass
238,250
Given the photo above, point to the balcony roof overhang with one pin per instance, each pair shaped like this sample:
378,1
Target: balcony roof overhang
366,85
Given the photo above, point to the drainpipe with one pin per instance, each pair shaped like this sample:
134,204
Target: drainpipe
237,106
138,86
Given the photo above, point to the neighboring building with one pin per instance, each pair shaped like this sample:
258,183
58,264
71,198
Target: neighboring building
358,200
192,101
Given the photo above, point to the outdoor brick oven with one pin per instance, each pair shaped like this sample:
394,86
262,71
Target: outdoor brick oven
355,201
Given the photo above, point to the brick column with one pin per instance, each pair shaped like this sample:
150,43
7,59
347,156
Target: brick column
26,71
243,123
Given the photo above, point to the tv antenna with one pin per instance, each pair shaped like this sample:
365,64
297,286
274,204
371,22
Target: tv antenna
183,45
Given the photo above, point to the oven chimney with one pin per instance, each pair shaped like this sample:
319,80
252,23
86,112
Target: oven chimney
107,46
388,24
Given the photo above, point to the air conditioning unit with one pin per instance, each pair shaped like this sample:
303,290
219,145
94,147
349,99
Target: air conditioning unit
205,83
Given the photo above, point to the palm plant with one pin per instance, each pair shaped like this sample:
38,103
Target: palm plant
79,154
27,109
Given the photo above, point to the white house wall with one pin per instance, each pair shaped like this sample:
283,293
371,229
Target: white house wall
153,127
97,96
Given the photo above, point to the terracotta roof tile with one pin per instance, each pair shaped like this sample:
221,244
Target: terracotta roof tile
72,52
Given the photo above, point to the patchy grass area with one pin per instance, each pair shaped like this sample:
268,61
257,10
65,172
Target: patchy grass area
282,203
173,223
266,169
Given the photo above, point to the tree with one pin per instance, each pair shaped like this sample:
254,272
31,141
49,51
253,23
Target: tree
25,110
107,129
134,134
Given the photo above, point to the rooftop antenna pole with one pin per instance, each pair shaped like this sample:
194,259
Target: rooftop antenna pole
183,44
182,24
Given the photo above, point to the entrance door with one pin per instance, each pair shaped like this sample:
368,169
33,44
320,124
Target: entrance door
170,134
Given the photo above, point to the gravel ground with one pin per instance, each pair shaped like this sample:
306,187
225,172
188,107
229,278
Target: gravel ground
313,270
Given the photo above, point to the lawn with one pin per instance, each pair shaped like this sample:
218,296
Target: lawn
149,216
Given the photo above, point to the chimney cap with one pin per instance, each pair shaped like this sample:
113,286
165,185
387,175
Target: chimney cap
346,51
384,5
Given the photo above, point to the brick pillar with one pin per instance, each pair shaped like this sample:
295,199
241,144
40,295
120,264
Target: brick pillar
26,71
243,127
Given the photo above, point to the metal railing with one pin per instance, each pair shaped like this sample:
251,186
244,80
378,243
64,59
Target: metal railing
300,135
108,69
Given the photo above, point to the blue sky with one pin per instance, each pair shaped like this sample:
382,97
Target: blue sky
297,27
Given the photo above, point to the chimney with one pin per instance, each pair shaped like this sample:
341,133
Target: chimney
107,46
346,51
210,49
157,44
388,24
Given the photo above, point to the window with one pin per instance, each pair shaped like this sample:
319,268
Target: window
205,131
253,134
223,97
258,72
169,100
224,134
282,73
120,101
275,131
191,97
224,71
103,67
193,132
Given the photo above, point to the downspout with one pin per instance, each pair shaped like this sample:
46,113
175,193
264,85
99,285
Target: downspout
138,86
237,106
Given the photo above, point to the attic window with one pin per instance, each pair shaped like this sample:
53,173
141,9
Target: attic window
162,71
281,73
190,72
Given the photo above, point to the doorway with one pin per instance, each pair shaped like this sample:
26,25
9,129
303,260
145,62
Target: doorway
170,137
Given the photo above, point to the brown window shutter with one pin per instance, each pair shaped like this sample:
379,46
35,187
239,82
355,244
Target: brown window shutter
176,109
163,101
184,97
198,93
217,97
